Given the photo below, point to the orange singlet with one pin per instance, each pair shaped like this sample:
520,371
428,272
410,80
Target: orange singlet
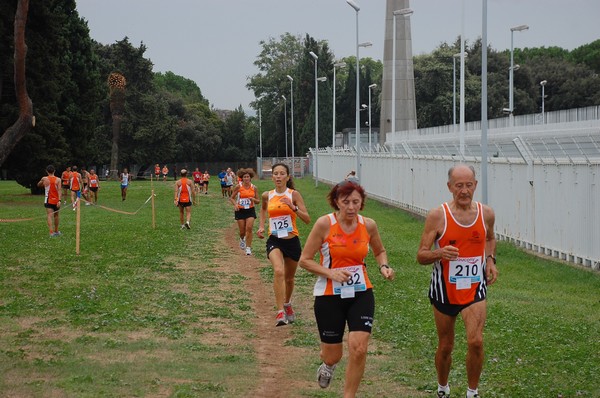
245,196
282,219
461,281
65,178
93,180
183,191
341,250
51,191
75,181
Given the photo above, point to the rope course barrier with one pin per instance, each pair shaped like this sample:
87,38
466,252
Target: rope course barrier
73,206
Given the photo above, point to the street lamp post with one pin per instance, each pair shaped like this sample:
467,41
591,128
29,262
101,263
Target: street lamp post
336,65
317,80
285,122
260,133
371,87
292,119
356,8
543,84
457,55
316,169
510,92
403,12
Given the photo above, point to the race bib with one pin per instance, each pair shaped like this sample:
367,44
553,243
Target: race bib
355,283
93,181
465,271
245,203
281,226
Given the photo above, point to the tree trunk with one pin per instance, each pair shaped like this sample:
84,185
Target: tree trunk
114,155
14,133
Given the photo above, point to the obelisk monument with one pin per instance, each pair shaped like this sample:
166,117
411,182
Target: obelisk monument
406,109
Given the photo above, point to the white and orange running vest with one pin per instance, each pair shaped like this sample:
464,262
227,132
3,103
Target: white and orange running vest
282,219
461,281
342,250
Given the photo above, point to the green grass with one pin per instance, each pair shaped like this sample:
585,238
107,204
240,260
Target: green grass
136,312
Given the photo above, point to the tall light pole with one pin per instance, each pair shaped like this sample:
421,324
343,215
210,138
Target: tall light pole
371,87
285,121
511,108
259,166
292,114
336,65
317,80
402,12
356,8
543,84
457,55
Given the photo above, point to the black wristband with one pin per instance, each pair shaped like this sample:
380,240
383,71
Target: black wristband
383,266
492,257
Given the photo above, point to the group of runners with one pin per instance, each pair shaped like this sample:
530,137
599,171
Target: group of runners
458,239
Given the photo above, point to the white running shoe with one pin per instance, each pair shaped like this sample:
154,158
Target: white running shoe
325,374
248,251
242,243
289,312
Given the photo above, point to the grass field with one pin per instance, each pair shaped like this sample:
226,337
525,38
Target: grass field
128,315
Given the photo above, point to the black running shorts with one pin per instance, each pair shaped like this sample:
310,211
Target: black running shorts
333,312
289,247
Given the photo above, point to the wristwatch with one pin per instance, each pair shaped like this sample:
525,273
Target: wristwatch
296,209
492,257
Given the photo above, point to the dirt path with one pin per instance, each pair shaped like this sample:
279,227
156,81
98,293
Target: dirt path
276,361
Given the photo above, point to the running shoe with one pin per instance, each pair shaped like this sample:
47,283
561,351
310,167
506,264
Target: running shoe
182,226
187,225
280,319
58,233
289,313
442,394
248,251
242,243
325,374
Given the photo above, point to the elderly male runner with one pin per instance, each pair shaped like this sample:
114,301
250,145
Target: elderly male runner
464,265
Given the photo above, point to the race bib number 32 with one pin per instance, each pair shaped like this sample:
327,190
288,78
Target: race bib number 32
355,283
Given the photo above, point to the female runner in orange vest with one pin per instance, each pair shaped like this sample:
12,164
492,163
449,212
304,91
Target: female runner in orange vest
244,197
51,186
282,205
343,292
184,195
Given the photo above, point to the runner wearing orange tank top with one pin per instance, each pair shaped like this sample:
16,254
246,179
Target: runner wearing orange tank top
52,198
282,205
65,182
184,195
75,184
243,198
459,240
94,186
343,291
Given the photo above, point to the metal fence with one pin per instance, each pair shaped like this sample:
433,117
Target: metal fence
543,181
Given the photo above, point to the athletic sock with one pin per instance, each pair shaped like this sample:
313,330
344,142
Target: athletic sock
471,393
445,388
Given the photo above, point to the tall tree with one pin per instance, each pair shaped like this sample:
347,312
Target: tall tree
26,121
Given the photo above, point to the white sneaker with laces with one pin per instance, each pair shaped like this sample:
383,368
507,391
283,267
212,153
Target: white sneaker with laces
325,374
242,243
248,251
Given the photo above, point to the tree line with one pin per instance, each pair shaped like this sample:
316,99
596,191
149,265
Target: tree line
167,119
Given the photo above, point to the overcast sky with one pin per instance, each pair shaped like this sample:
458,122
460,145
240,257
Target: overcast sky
215,42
